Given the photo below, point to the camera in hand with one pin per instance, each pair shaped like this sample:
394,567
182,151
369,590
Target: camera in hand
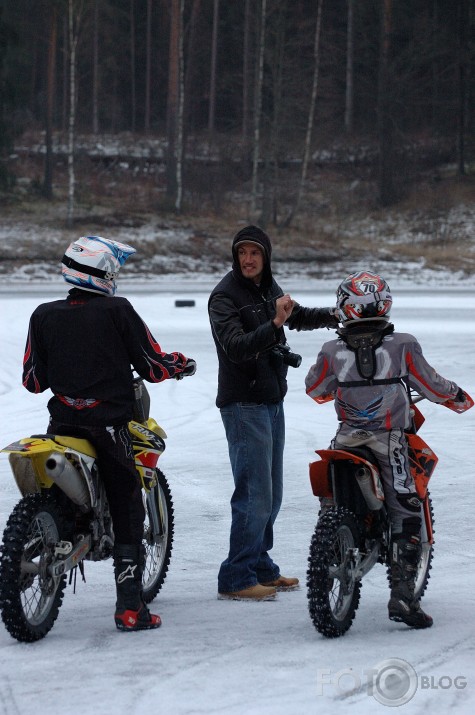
284,354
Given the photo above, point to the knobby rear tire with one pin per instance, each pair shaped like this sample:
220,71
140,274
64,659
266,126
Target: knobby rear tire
332,604
157,551
30,598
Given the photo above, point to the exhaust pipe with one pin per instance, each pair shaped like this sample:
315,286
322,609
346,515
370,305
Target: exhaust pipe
67,477
364,479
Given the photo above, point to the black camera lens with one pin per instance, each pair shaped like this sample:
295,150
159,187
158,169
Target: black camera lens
292,359
286,356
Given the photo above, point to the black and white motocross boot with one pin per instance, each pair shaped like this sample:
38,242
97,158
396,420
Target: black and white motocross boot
131,613
402,606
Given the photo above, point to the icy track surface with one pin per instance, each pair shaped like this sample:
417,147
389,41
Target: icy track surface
213,657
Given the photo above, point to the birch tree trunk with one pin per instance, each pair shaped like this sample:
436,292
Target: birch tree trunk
463,21
245,73
190,70
73,39
95,71
212,83
270,193
349,93
50,94
311,115
435,66
385,131
148,64
258,106
180,114
133,93
64,113
173,99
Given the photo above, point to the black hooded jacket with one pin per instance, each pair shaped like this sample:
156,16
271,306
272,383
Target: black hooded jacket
241,315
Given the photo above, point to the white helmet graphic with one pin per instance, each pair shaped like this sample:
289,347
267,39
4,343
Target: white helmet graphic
363,296
93,263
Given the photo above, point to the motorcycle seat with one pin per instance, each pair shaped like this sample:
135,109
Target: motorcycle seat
76,443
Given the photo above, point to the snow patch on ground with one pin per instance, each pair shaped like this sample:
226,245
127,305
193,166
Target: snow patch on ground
212,657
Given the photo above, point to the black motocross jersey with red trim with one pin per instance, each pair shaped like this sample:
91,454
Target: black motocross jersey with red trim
83,348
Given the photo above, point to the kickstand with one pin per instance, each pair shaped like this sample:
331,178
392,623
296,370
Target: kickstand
74,571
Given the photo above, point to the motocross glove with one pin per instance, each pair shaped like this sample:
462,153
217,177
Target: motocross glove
460,403
189,369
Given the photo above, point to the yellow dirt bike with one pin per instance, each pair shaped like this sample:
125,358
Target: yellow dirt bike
63,519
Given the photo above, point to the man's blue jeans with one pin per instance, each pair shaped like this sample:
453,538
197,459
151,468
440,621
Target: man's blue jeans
256,437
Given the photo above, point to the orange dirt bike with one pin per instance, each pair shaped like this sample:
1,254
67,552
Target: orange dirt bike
63,519
353,530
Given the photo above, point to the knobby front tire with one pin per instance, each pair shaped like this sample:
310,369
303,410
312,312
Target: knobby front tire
333,596
30,598
158,547
425,562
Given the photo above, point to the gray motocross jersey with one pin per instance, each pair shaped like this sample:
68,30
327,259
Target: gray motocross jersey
377,406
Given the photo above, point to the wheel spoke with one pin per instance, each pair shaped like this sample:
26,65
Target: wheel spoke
30,597
333,591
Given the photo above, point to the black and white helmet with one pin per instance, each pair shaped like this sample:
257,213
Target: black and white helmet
363,296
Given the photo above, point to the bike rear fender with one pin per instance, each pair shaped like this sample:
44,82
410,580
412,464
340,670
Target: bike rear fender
27,458
319,472
320,478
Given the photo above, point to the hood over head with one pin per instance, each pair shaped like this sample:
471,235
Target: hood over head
254,234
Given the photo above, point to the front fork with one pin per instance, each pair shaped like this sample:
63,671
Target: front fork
155,514
428,537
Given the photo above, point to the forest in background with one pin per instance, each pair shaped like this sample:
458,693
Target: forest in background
237,97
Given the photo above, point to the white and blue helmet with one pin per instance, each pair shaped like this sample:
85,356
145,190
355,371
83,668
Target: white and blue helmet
93,263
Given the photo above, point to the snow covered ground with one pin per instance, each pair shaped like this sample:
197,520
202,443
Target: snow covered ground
219,657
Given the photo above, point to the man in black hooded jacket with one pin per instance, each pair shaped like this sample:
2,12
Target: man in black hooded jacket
247,311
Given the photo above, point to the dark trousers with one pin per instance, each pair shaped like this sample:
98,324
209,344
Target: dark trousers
117,469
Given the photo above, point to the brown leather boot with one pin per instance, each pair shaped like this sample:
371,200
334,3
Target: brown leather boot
253,593
284,584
